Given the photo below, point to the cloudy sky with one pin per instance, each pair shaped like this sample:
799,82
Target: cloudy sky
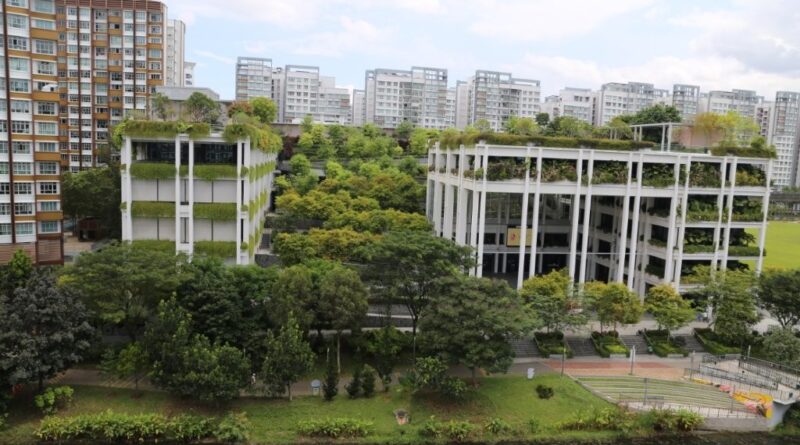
717,44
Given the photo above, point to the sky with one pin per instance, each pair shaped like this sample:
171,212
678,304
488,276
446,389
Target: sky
716,44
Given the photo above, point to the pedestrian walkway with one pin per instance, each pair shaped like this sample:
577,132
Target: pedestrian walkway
581,346
635,340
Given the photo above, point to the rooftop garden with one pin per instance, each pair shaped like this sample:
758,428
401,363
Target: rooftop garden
453,140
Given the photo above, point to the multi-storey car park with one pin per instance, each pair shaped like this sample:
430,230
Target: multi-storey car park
640,217
203,196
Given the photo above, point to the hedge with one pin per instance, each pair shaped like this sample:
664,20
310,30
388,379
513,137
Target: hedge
165,246
334,428
713,344
470,139
212,172
219,211
152,209
261,170
608,343
747,152
163,129
111,427
221,249
155,170
550,343
661,344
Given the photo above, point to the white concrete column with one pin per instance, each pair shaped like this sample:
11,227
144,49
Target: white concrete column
177,192
576,207
447,222
762,236
623,230
239,158
535,217
190,197
637,210
523,231
482,214
682,231
475,210
127,190
587,213
720,205
731,195
461,202
671,238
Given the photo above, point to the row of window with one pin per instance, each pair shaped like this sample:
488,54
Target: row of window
24,147
24,106
26,168
27,228
26,188
26,208
24,127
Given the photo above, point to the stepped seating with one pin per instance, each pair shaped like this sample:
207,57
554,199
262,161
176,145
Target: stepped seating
691,343
635,340
581,346
524,348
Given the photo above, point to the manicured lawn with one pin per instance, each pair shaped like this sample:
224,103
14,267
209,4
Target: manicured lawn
512,399
783,245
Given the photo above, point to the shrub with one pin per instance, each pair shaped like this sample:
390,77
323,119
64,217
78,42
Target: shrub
212,172
335,428
534,426
330,387
189,428
544,392
667,420
430,373
606,419
233,428
219,211
354,387
368,381
152,170
53,399
165,246
221,249
497,426
455,431
152,209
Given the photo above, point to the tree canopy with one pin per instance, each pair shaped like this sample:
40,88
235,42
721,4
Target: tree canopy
778,294
201,108
554,300
614,303
668,307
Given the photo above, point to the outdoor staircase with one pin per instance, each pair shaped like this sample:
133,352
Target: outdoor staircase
692,345
635,340
524,348
581,346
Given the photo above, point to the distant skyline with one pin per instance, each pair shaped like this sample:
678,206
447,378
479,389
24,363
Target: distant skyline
746,44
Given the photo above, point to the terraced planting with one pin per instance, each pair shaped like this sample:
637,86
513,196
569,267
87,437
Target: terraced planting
630,389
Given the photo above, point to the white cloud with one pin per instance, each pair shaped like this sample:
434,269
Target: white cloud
544,20
216,57
352,36
257,47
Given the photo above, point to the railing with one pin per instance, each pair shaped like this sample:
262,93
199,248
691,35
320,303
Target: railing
782,374
736,411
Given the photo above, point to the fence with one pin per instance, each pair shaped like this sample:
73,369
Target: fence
736,411
782,374
718,378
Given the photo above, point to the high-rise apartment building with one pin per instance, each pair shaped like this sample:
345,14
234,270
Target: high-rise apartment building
72,69
616,99
686,98
783,134
418,96
496,96
572,102
358,114
253,78
462,105
188,73
175,50
741,101
305,92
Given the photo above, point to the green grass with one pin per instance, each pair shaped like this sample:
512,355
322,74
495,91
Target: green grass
512,399
783,243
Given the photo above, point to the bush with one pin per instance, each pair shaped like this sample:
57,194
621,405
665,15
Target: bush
430,373
220,249
53,399
455,431
606,419
233,428
497,426
666,420
354,387
212,172
219,211
551,343
335,428
152,209
534,426
330,387
368,381
544,392
453,387
608,343
189,428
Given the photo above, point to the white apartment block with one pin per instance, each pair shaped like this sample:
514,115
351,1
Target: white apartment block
305,92
496,96
253,78
188,74
552,106
175,54
359,116
741,101
575,102
462,105
223,216
616,99
783,134
418,95
631,226
686,99
451,107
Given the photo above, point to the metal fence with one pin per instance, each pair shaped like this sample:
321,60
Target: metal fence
782,374
718,378
736,411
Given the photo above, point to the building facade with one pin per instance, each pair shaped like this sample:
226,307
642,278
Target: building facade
212,203
743,102
496,96
188,74
359,113
783,134
305,92
253,78
686,99
73,69
418,95
637,218
616,99
175,54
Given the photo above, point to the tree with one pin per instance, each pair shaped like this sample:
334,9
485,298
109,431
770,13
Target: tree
553,300
264,109
472,321
521,126
330,387
613,302
419,143
16,273
94,193
202,108
403,130
668,307
122,284
342,302
299,165
778,295
131,361
159,104
542,119
730,293
781,345
482,126
406,265
568,126
240,107
656,114
315,143
43,331
384,347
287,358
188,364
737,129
306,124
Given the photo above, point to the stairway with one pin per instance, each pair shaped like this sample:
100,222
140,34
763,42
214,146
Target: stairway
692,345
635,340
524,348
581,346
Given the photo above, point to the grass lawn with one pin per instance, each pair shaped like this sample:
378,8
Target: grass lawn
783,245
512,399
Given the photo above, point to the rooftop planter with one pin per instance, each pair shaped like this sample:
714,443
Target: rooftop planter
152,209
212,172
505,169
261,137
658,175
747,152
165,246
452,141
610,172
159,129
704,174
155,170
608,344
554,170
220,249
218,211
750,176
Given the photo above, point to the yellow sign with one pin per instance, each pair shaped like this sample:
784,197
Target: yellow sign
513,237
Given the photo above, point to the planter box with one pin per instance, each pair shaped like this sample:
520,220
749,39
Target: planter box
675,356
617,356
556,356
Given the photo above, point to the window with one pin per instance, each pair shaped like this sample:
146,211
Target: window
5,209
46,108
5,229
48,206
47,6
20,106
19,86
21,127
48,147
48,227
18,64
48,188
3,147
23,208
43,24
17,21
3,168
23,168
18,43
17,3
48,168
44,47
44,67
21,147
23,188
24,228
47,128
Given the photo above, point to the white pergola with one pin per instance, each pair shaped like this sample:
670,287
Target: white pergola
666,132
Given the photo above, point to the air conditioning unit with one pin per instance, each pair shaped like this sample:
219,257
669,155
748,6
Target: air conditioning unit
49,88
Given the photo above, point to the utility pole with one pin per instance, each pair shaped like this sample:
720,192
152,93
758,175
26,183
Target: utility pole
633,357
